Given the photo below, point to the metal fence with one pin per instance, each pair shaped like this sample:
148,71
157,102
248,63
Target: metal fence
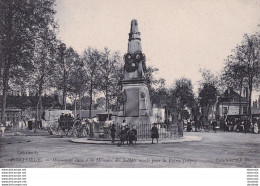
98,131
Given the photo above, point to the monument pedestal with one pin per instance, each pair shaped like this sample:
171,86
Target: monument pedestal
137,106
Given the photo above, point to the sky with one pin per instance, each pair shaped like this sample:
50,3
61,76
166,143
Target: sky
179,37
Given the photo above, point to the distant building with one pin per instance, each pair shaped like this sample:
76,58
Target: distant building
232,104
12,116
85,113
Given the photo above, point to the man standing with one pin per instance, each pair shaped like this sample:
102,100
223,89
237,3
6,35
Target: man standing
132,135
113,132
155,133
127,134
62,117
134,132
122,136
214,125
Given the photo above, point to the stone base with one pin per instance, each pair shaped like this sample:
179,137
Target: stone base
135,120
137,102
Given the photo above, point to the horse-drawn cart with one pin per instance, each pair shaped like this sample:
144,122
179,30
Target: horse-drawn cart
70,128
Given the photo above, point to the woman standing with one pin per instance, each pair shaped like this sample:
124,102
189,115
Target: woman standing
155,133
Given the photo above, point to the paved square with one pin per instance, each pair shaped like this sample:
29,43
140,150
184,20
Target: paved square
221,149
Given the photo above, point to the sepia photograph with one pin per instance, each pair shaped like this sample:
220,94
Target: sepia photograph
129,84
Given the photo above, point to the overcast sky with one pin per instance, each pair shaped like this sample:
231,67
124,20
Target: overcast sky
178,36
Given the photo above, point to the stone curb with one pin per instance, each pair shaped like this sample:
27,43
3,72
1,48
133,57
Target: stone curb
178,140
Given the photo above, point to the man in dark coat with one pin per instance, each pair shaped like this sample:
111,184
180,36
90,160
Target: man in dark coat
132,135
62,117
214,125
122,136
113,132
134,132
155,133
127,134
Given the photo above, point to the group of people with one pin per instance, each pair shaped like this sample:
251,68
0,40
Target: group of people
197,123
67,120
229,125
126,134
66,117
241,125
129,135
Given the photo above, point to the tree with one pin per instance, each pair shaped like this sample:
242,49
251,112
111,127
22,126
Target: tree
208,91
243,67
207,97
182,96
249,54
77,83
92,61
209,78
43,66
100,103
149,76
110,69
234,75
155,86
23,22
64,69
159,94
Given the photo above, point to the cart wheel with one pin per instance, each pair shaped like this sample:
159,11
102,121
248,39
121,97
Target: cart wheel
75,134
206,129
198,129
66,131
61,132
70,133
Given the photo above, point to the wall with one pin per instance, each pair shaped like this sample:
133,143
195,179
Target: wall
233,109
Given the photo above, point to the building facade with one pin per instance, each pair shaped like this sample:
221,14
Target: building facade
231,104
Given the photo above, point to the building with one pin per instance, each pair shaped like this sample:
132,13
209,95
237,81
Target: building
231,104
13,116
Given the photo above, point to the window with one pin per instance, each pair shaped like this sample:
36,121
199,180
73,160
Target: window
245,110
224,110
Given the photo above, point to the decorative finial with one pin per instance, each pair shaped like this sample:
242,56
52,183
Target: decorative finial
134,26
134,32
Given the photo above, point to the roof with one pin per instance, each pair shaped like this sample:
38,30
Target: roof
12,110
231,96
85,113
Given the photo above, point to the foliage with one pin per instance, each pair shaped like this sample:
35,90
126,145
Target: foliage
242,68
111,72
208,95
182,96
23,24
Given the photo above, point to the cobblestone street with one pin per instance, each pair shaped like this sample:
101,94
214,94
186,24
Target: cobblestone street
216,150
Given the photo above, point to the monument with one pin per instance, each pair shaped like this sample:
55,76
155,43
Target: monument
134,102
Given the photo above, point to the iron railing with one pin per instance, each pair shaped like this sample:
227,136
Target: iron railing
99,131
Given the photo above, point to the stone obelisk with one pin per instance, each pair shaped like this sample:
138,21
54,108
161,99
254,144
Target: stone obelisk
135,105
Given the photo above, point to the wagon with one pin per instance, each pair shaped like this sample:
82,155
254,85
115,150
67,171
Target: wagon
68,127
65,125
